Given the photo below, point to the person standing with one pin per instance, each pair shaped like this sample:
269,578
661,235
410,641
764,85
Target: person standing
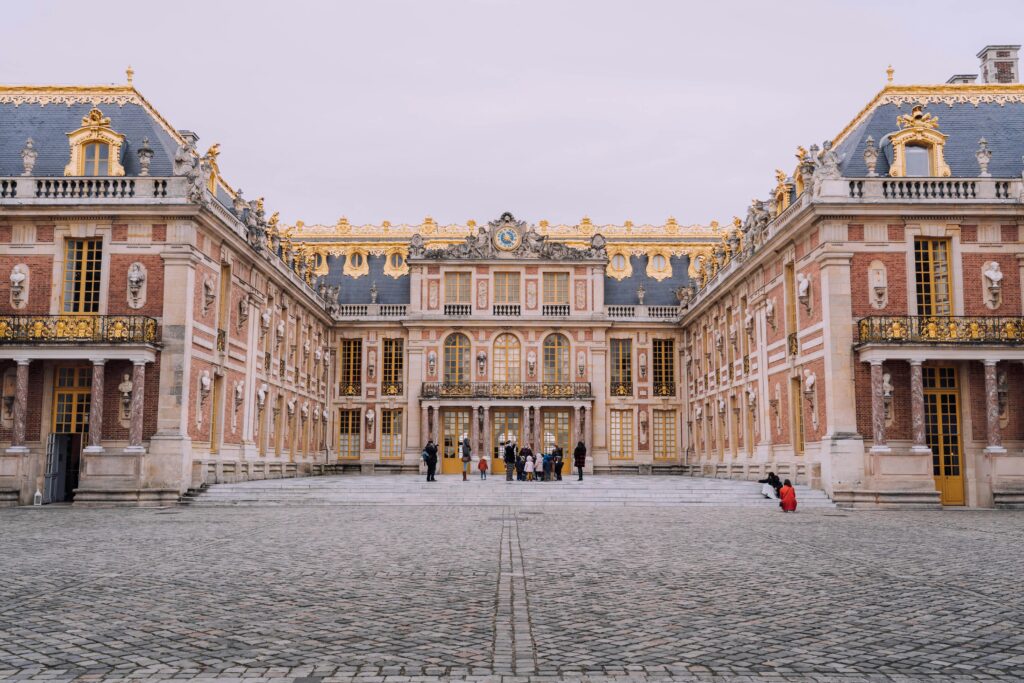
510,460
787,497
579,458
467,458
525,453
529,466
431,453
548,459
482,466
556,462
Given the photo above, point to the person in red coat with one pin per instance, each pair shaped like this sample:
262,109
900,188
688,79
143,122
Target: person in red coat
787,497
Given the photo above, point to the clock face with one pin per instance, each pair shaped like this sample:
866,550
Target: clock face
507,239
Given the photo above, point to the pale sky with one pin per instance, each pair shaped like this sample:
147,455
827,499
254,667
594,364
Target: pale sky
394,111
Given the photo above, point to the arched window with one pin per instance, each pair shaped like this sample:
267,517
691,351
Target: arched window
95,159
456,359
556,358
619,262
95,148
918,163
505,364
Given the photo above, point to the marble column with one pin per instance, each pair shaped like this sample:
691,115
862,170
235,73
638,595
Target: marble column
920,446
485,436
878,409
96,407
995,437
20,407
425,424
138,403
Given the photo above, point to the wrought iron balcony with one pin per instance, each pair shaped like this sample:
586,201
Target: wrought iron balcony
391,388
514,390
350,389
621,388
77,329
664,389
944,329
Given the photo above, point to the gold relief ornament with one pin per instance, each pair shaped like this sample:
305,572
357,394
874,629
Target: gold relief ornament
919,129
95,128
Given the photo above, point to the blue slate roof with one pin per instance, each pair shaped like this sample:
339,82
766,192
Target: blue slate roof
49,125
357,290
1002,126
623,292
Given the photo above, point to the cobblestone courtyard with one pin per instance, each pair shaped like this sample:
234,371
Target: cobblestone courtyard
599,592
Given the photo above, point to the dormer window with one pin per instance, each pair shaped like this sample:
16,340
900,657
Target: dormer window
96,159
918,165
917,148
95,148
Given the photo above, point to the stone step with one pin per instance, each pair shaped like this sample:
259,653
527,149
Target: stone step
450,490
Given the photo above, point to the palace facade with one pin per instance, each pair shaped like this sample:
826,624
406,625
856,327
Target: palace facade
859,330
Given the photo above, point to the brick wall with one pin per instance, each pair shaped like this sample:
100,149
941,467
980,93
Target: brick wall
40,276
896,278
117,297
974,288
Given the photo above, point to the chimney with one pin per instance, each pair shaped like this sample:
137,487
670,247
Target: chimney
999,64
962,79
189,136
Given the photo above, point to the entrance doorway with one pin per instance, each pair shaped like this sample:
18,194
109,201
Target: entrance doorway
72,397
454,428
942,431
556,430
506,425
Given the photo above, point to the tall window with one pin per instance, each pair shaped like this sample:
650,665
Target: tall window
505,366
391,434
456,359
95,157
556,358
82,260
394,366
664,367
556,288
664,434
348,434
457,288
932,274
351,366
796,396
506,288
918,164
620,444
622,367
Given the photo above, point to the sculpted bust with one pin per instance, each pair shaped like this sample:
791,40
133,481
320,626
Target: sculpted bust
993,275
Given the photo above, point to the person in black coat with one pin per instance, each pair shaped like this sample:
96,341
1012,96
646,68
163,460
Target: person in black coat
771,480
521,462
510,460
579,458
431,451
556,462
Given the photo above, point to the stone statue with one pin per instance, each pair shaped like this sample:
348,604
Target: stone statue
417,248
291,406
261,395
993,276
373,292
481,363
581,363
598,246
185,159
239,392
238,204
983,155
809,380
125,389
136,279
803,290
887,387
265,319
280,331
531,363
145,153
431,363
828,162
640,294
28,157
205,384
209,294
870,156
748,324
482,246
769,312
370,431
243,309
19,276
305,410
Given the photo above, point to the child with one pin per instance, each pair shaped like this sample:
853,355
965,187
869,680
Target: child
483,467
529,468
787,497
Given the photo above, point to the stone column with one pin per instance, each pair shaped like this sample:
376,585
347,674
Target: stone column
485,436
96,407
425,425
20,408
878,409
920,446
995,436
138,401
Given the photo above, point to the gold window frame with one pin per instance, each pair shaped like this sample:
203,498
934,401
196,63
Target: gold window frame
456,359
95,129
556,288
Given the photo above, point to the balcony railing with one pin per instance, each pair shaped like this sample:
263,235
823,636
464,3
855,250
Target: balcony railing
371,310
621,388
622,311
555,310
513,390
391,388
662,389
506,310
74,329
458,310
944,329
350,389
